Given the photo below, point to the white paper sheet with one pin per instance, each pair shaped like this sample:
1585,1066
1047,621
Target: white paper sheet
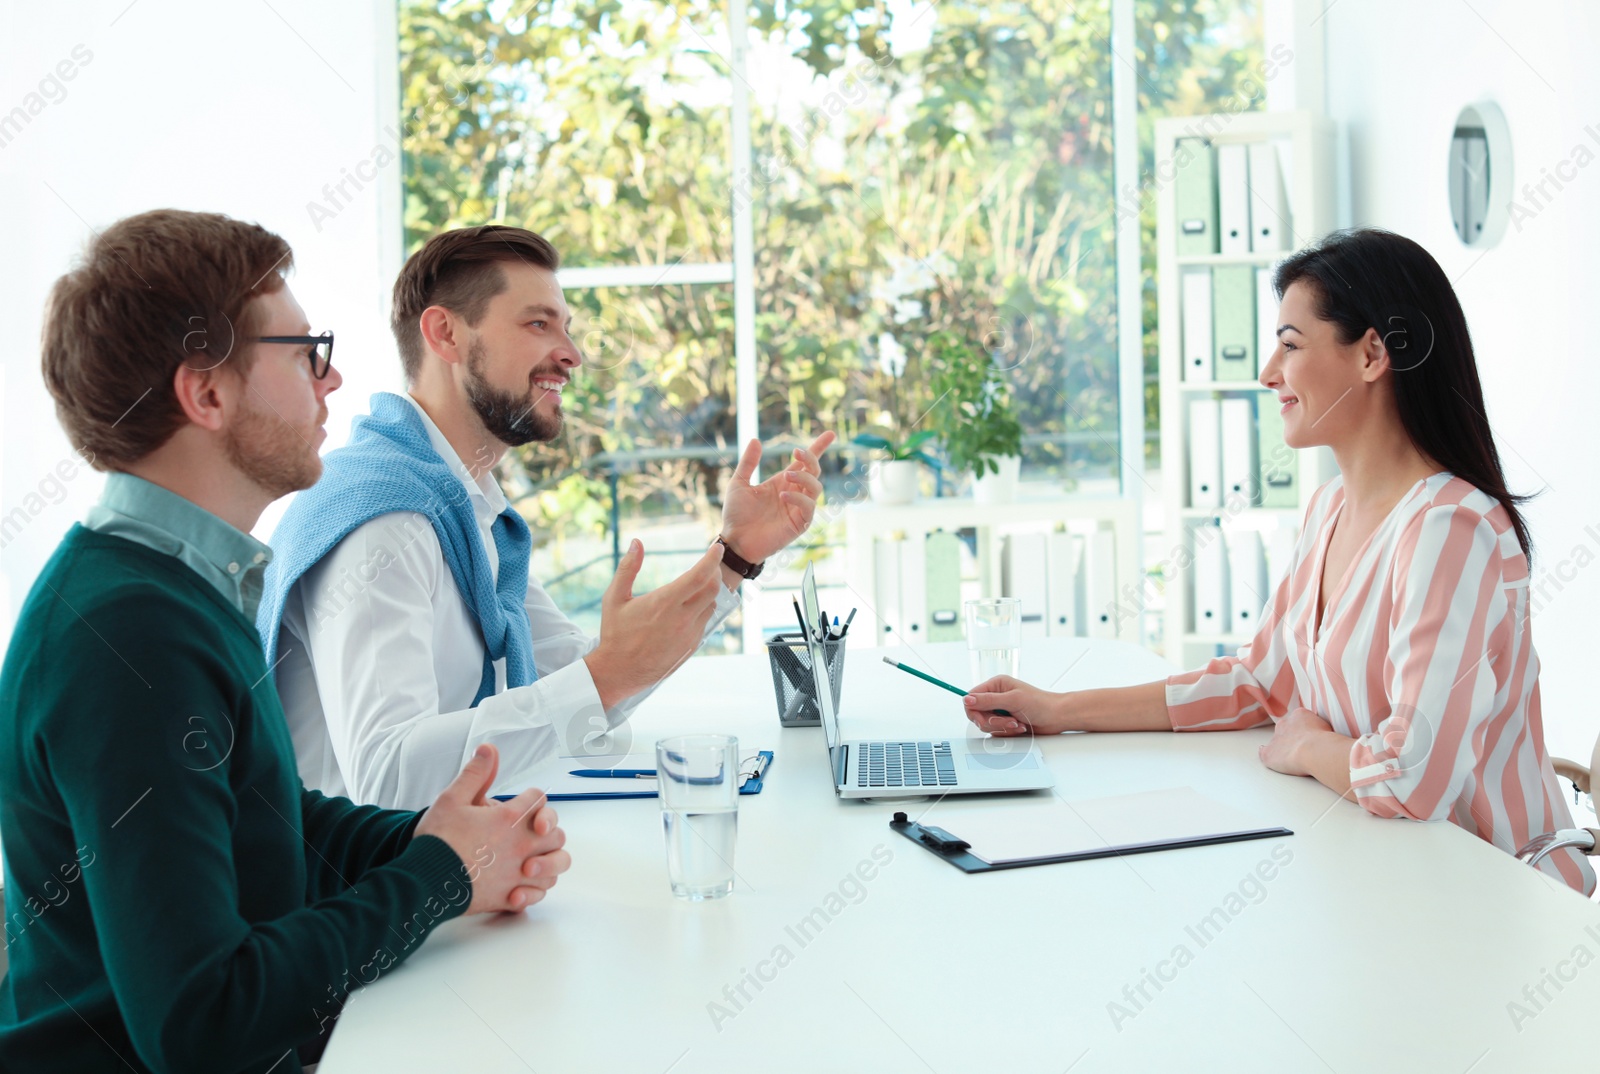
1003,832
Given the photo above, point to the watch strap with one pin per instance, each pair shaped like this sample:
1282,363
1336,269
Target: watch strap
740,566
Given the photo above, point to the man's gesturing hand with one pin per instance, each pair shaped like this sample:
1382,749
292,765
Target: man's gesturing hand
760,520
512,850
643,639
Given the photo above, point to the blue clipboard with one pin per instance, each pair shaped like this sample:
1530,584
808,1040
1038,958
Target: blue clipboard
752,785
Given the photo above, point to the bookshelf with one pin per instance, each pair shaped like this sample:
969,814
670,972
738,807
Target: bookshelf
891,621
1305,154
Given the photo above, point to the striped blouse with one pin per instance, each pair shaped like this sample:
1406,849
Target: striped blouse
1423,659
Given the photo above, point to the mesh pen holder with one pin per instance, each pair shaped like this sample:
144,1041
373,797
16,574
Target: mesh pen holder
792,680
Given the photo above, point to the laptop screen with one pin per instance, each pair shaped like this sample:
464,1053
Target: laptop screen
819,664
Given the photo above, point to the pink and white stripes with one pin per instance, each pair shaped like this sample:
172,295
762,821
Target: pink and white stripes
1423,658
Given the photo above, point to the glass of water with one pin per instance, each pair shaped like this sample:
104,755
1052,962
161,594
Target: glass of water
994,637
699,780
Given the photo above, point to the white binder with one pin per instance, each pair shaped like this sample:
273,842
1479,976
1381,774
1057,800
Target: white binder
1238,452
1210,581
1233,198
1247,580
1270,230
913,587
886,554
1280,552
1198,363
1022,575
1100,577
1064,593
1205,447
1266,318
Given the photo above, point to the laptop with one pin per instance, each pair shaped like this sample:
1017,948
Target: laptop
912,768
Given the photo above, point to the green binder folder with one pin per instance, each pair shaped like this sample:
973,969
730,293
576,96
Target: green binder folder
1196,196
944,587
1233,321
1278,475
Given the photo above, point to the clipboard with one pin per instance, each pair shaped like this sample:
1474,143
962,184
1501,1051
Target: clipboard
958,852
753,784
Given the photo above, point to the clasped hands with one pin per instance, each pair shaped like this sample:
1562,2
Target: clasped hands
512,850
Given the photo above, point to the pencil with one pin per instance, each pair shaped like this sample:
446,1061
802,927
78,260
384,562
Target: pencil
800,618
925,677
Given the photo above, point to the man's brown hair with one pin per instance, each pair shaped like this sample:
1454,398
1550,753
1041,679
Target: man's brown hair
459,270
151,292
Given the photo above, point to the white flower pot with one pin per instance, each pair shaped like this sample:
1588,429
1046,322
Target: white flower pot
895,481
1000,487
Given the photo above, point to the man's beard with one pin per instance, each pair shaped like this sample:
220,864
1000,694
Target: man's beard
510,419
271,452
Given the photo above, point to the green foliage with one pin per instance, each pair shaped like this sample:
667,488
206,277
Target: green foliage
974,419
899,451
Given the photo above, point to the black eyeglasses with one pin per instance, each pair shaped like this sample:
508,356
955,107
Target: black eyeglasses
320,354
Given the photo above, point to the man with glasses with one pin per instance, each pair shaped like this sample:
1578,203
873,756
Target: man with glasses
399,616
318,350
175,898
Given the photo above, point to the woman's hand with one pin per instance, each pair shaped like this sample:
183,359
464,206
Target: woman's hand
1031,710
1293,739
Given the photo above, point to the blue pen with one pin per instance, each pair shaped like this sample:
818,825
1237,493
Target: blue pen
615,773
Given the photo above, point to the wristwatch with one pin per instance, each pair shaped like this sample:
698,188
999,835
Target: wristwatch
737,563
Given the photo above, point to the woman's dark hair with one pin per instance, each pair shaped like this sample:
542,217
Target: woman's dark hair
1370,278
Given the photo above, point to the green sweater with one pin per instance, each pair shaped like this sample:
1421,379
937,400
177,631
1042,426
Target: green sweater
175,898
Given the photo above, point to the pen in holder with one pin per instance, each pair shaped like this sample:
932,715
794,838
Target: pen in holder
792,680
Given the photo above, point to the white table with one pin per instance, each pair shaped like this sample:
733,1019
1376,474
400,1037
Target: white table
1380,946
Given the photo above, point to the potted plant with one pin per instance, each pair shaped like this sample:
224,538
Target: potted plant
895,479
900,390
975,420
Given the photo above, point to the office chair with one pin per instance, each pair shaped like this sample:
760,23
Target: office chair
1585,839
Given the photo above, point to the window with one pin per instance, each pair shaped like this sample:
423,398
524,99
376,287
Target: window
904,167
948,168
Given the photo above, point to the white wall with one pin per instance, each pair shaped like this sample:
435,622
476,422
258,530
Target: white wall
243,108
1397,75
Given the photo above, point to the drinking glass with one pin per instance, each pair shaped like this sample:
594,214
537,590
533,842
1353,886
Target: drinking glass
699,780
994,637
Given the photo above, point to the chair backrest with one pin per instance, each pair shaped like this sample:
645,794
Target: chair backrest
1594,761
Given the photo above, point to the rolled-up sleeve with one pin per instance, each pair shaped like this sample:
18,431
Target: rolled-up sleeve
1441,676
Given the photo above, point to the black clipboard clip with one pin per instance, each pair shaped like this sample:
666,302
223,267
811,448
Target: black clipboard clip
940,843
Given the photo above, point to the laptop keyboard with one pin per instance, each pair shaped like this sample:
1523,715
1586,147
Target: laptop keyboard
905,764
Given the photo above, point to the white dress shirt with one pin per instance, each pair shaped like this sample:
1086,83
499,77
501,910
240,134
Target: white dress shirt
381,658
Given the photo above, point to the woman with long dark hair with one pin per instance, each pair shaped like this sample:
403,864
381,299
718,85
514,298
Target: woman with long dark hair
1394,662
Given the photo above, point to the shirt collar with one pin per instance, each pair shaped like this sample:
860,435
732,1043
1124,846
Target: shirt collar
488,501
145,513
